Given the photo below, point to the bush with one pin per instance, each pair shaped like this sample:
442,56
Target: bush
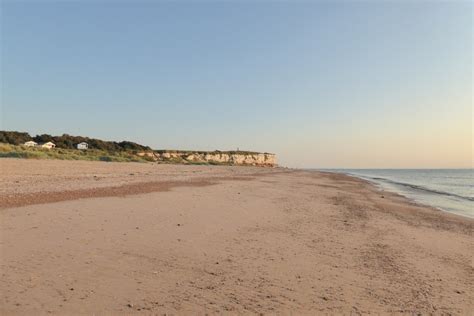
66,141
105,158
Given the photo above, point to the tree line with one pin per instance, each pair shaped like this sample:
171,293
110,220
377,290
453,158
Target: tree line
69,142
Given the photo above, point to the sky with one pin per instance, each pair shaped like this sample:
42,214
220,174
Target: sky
342,84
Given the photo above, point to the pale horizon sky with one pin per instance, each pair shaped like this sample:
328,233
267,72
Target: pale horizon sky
321,84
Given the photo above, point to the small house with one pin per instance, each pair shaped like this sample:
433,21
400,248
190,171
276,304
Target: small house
82,146
30,144
48,145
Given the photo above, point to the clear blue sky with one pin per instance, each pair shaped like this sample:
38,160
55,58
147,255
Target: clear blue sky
322,84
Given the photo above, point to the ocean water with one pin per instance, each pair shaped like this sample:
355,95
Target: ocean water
450,190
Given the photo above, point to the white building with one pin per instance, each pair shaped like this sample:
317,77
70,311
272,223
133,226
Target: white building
30,144
48,145
83,146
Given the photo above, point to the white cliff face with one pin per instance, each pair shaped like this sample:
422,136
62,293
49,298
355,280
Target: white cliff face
242,159
232,158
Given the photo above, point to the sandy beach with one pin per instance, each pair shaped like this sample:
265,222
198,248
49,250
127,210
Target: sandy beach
89,238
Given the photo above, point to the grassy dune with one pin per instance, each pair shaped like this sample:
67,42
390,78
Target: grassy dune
18,151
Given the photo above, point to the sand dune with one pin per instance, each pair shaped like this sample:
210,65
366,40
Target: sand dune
107,238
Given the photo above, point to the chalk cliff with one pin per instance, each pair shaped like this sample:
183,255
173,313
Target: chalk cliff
215,157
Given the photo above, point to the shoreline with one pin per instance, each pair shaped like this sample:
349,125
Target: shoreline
241,241
384,187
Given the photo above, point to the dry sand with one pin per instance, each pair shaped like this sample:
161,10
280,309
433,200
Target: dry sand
121,238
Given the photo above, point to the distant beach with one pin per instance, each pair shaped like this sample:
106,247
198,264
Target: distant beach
82,237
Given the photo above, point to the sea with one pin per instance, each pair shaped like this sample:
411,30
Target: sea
450,190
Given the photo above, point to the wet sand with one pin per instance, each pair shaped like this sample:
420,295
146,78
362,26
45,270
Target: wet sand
121,238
